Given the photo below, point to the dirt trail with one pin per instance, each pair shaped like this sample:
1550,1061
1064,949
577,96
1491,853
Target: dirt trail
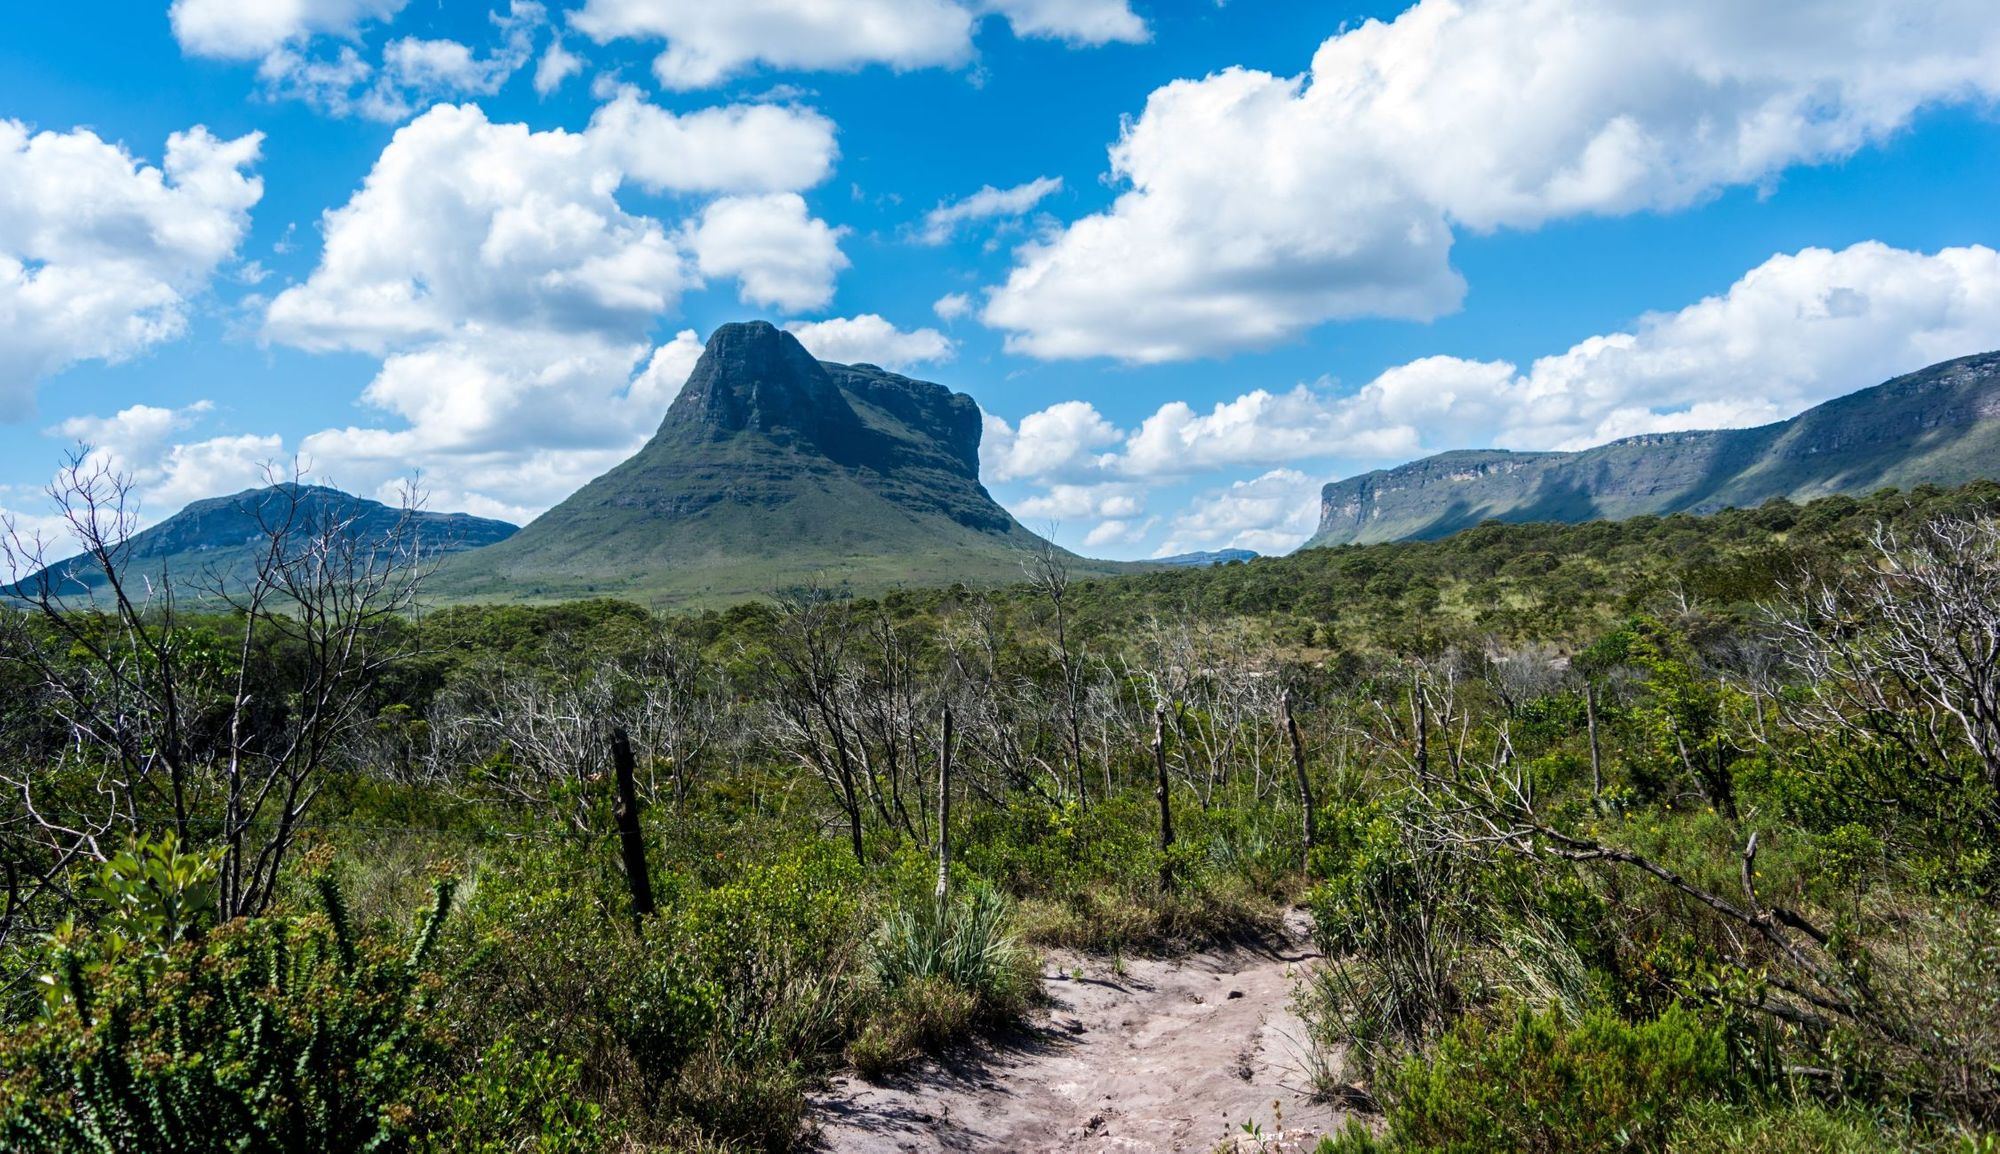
1167,1056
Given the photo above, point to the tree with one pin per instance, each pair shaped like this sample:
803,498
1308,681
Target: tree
218,728
1907,650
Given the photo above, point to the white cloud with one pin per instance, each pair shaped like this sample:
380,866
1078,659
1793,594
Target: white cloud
465,225
667,369
985,204
780,254
413,71
252,29
1260,206
1073,21
557,65
737,148
140,443
952,306
1119,532
512,296
1797,330
709,42
1059,441
517,421
1272,513
101,256
1083,502
869,339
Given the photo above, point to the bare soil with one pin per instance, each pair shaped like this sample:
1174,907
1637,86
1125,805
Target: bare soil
1132,1056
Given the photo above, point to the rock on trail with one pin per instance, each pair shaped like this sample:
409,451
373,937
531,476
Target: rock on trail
1170,1055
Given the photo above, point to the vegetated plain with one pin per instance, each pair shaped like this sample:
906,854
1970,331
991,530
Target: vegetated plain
1666,834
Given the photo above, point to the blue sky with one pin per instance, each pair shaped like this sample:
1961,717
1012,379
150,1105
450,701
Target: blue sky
1193,259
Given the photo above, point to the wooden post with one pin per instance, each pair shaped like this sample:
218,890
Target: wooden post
1163,793
944,809
1423,724
637,876
1305,783
1590,722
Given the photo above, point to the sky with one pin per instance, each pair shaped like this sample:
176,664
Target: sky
1193,259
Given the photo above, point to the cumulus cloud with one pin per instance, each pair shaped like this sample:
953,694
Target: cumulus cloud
952,306
869,339
511,295
252,29
781,255
1795,331
556,65
709,42
1271,513
1259,206
465,225
736,148
101,255
412,72
1083,502
1086,22
1060,441
142,443
987,203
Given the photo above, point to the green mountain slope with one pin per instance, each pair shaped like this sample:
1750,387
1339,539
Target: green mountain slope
1940,425
772,469
224,536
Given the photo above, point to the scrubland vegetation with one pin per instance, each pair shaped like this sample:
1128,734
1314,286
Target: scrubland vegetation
1670,834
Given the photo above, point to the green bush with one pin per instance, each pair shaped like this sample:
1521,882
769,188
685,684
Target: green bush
963,942
1542,1084
282,1033
517,1099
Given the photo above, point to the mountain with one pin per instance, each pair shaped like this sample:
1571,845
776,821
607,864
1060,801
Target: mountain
1940,425
223,536
772,469
1204,559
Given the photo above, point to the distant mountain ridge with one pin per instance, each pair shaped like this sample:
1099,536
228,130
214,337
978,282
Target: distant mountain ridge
223,536
1205,558
772,469
1939,425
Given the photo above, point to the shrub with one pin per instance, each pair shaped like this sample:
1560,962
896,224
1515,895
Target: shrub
964,943
1541,1084
273,1034
516,1099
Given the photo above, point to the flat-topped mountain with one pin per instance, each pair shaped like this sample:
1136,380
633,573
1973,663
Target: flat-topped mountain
772,469
1940,426
224,536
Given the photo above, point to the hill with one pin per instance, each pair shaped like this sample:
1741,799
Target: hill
772,469
1940,426
223,537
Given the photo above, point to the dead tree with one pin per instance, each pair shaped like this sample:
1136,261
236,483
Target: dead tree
815,686
1908,651
222,749
944,806
1309,833
1047,571
1163,790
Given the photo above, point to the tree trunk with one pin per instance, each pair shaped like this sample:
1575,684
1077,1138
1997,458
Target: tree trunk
1161,790
637,876
1305,783
944,809
1590,722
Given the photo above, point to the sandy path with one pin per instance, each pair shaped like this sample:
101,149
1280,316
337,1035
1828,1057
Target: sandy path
1167,1056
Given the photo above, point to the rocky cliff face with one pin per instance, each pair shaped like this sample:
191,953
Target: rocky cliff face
1940,425
772,467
